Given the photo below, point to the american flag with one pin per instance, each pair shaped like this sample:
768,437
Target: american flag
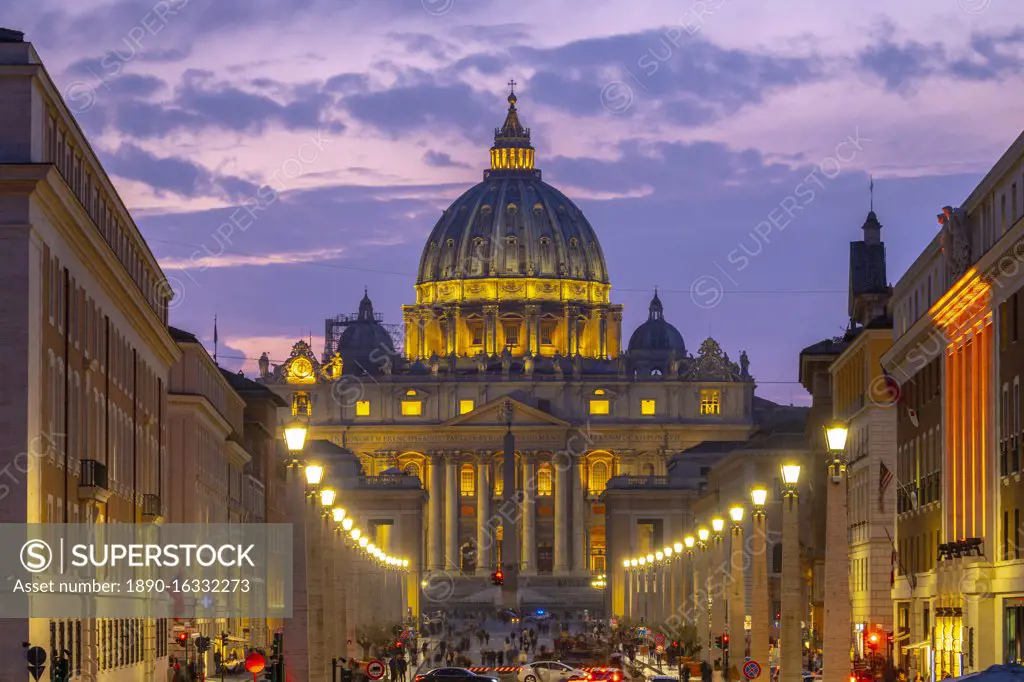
884,479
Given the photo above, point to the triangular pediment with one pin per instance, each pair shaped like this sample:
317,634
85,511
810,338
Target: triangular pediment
490,414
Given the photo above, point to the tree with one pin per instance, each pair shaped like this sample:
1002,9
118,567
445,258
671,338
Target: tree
373,636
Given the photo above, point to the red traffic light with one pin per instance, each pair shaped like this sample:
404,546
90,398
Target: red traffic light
725,638
182,638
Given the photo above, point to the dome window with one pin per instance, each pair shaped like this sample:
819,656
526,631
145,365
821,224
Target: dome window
538,208
485,209
574,242
450,243
512,209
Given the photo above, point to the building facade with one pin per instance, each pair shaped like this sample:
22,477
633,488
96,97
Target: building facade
512,304
955,354
861,399
87,352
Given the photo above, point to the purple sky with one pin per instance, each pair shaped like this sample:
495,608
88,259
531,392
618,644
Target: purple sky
682,129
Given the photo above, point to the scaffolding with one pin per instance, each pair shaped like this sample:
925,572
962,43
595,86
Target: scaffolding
334,327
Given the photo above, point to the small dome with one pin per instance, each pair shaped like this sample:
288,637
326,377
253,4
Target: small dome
656,334
365,343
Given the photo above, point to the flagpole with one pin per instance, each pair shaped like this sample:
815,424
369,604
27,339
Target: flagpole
215,339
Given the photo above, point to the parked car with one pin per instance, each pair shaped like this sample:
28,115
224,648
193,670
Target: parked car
605,675
454,675
549,671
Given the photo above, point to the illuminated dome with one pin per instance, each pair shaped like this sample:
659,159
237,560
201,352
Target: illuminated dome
512,224
512,269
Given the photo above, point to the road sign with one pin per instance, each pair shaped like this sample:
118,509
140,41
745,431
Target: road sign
36,657
659,639
375,669
751,669
255,662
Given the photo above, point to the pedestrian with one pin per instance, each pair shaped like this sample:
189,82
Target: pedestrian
393,668
171,662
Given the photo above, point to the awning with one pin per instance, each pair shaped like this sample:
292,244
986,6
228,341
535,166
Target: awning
920,645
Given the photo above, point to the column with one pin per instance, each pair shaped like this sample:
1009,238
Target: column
484,542
580,521
331,618
435,555
563,473
700,595
717,579
296,628
627,611
603,334
838,624
759,607
791,659
451,512
737,602
314,581
529,553
340,607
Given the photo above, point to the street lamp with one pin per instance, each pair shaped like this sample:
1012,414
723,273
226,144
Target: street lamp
759,616
792,599
339,514
838,620
717,525
327,496
737,593
703,534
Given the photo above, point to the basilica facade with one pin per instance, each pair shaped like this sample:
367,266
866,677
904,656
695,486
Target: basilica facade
512,329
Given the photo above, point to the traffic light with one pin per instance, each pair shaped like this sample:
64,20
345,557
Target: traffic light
871,639
202,644
61,670
224,640
498,578
718,642
182,638
725,642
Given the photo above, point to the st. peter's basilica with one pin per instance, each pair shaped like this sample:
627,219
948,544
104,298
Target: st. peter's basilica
513,327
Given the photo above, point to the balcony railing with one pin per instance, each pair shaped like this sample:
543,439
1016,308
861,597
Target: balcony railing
629,482
390,481
94,474
151,506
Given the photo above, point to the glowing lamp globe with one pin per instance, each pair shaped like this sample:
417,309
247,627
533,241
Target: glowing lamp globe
736,513
835,437
703,533
327,496
759,496
717,524
314,474
295,436
791,474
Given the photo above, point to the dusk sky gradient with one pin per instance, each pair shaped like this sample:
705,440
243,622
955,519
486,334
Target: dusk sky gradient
677,127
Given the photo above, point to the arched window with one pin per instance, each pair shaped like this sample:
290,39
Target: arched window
777,558
648,469
544,479
467,484
413,470
598,477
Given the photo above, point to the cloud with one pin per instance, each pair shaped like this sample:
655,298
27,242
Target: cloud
400,110
229,260
174,174
903,66
442,160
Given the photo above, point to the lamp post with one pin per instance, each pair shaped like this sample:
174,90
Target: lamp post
296,628
759,608
737,593
718,577
688,581
700,590
792,599
838,619
634,595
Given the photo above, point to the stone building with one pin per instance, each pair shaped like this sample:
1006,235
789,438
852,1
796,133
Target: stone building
86,353
959,591
512,308
861,399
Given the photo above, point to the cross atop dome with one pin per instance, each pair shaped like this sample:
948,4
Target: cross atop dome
512,150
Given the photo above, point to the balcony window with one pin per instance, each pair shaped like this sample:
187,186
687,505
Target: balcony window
544,482
511,334
599,474
647,408
710,401
599,407
466,406
467,480
547,334
412,408
362,408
